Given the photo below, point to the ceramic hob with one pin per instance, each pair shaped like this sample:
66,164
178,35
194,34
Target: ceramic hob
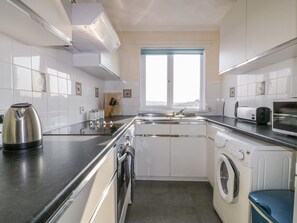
88,128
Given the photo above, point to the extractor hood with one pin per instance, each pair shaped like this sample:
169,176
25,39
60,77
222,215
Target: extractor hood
92,30
279,53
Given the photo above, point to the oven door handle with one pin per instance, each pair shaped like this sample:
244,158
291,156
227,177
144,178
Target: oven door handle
122,158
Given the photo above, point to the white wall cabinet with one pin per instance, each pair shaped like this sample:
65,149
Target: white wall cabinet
269,24
96,200
170,151
48,20
233,36
106,66
253,27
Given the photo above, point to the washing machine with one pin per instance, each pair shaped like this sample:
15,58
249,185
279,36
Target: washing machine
244,164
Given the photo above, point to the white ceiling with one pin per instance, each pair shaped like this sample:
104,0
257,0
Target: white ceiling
165,15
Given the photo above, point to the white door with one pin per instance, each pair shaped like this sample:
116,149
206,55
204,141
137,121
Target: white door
227,178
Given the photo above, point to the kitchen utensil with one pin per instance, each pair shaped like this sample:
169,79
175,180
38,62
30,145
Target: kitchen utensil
21,128
113,102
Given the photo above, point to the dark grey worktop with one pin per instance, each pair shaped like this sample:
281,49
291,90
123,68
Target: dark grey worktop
263,132
34,184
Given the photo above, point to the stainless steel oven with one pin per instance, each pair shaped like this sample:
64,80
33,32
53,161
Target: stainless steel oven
125,173
285,116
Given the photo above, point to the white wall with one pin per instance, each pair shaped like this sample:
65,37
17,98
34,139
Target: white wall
131,44
59,105
280,82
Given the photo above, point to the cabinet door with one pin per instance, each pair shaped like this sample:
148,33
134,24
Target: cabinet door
210,160
106,212
233,36
269,23
188,156
152,156
111,61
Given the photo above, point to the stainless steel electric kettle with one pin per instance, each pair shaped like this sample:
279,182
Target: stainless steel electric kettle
21,128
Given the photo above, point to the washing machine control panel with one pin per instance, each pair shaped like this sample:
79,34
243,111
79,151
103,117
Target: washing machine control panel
238,152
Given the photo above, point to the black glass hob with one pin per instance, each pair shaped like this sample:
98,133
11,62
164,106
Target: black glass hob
88,128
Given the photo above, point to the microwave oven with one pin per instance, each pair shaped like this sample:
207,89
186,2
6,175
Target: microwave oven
284,116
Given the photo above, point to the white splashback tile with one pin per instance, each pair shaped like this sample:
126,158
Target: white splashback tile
22,78
6,75
51,66
22,96
38,60
21,54
20,67
63,102
6,98
283,85
39,101
52,82
63,85
5,48
53,102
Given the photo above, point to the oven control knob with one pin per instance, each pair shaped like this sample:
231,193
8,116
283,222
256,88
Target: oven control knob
240,155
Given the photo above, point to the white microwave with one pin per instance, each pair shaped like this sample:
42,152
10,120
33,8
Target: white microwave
284,116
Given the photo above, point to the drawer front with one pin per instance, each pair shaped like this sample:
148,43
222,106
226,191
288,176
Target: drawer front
102,178
152,129
188,130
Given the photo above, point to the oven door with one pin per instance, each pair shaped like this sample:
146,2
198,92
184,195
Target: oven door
124,176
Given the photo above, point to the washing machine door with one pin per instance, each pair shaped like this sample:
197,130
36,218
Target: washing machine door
228,178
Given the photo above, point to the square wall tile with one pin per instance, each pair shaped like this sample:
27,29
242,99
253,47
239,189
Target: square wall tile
283,85
5,48
22,96
38,60
51,66
63,102
39,100
21,54
43,120
6,75
6,98
285,68
52,84
63,118
22,78
270,86
53,120
53,102
63,85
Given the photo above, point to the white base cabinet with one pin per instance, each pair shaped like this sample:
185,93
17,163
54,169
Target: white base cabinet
95,200
152,156
175,151
188,157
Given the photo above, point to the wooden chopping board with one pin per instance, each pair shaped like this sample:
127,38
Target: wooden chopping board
112,110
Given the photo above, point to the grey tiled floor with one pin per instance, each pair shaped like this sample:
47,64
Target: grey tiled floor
172,202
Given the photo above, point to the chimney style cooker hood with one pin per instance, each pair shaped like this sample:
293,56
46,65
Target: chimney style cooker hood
91,29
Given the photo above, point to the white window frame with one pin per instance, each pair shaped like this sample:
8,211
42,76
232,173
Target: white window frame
170,90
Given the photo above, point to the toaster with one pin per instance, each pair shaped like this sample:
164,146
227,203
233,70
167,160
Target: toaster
260,115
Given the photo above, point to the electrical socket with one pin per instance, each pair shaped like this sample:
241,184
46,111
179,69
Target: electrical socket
81,109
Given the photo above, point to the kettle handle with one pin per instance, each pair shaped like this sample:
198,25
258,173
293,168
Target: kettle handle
19,114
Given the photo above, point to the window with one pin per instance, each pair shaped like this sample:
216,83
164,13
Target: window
172,78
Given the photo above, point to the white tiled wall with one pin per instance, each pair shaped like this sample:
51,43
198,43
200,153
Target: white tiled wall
280,82
131,106
59,105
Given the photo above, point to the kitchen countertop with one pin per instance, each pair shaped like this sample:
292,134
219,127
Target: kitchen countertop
263,132
34,184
